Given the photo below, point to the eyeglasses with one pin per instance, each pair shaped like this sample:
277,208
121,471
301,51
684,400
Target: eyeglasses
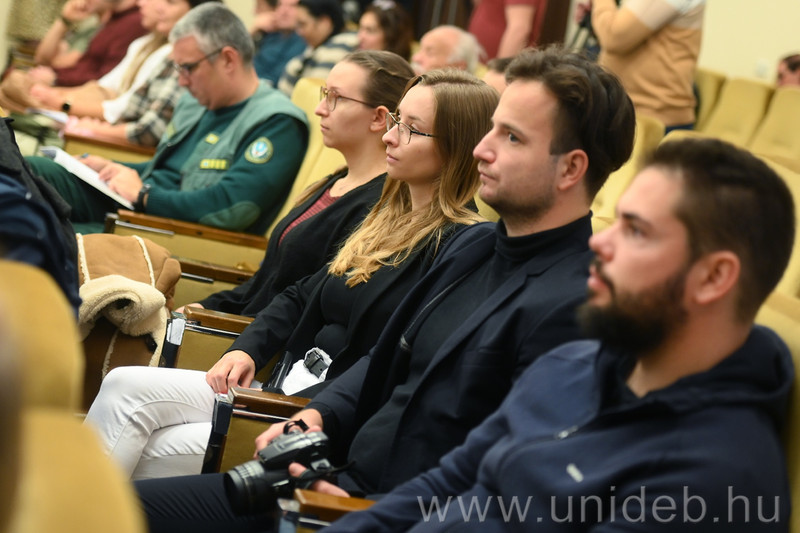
404,131
331,97
187,68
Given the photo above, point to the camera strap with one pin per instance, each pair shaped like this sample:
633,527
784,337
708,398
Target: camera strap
307,478
291,424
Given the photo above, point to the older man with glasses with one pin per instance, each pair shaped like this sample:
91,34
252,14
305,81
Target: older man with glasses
230,154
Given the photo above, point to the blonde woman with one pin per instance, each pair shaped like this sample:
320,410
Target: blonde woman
341,309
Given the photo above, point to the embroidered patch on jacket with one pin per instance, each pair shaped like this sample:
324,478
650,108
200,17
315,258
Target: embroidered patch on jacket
212,138
214,164
260,151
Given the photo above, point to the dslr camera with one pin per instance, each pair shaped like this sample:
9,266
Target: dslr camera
256,485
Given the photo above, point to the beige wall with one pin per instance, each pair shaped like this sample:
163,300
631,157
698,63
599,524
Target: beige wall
748,37
5,6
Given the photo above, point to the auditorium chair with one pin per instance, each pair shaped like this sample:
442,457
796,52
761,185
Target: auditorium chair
778,137
649,132
66,481
739,110
709,84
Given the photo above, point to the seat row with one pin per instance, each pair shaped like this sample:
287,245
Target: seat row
752,114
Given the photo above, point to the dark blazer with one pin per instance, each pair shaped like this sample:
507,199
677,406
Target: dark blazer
306,248
294,317
470,374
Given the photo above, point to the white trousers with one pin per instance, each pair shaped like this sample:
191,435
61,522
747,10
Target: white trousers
155,422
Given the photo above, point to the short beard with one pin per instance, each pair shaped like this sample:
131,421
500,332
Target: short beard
637,324
515,214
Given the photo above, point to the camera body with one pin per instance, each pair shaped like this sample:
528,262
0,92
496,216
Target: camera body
255,485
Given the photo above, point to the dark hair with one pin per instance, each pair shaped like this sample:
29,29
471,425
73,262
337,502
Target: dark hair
388,75
595,114
499,64
792,62
398,31
733,201
215,26
195,3
326,8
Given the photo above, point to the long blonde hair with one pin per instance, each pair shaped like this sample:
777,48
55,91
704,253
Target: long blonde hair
390,232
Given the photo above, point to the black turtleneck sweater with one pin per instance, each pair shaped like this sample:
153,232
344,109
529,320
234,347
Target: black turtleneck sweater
423,337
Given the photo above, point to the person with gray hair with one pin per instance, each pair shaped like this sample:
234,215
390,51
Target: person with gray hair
230,154
447,46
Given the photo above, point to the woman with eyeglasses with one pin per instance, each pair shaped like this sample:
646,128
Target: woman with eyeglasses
384,25
162,428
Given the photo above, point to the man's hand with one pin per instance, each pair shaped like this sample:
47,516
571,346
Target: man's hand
264,21
42,74
234,368
95,162
76,10
123,180
47,96
182,308
311,417
325,487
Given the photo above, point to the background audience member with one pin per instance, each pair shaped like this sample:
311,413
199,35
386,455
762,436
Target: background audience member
71,32
321,24
32,20
235,146
140,115
112,91
275,37
447,46
505,27
789,71
656,409
107,48
496,72
653,45
384,25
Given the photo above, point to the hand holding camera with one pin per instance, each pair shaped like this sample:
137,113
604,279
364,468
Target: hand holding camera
256,485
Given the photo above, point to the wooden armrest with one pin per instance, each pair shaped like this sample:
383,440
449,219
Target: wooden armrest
237,275
107,141
327,507
217,319
268,403
187,228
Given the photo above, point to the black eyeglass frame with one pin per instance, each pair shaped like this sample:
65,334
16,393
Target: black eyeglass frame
188,68
394,121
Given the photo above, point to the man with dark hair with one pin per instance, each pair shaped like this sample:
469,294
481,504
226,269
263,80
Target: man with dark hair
497,297
671,418
230,153
789,71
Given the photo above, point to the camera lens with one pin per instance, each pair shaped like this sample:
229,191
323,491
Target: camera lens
252,489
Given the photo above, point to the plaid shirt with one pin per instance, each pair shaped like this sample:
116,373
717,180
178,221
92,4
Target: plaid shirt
150,108
317,62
